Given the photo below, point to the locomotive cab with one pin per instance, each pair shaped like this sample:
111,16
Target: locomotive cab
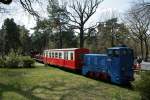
120,62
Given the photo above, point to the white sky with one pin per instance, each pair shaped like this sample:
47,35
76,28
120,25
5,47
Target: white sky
107,6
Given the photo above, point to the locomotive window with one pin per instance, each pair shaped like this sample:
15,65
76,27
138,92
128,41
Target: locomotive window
110,52
130,52
124,52
71,56
116,53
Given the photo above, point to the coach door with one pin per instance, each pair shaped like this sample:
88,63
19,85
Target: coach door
61,58
65,57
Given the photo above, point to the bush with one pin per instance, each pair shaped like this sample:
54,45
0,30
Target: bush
14,60
2,62
143,85
27,61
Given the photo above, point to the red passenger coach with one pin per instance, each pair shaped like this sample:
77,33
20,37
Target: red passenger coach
71,58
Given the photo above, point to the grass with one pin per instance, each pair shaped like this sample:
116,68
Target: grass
49,83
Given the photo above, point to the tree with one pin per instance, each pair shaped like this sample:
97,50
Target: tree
113,32
2,42
69,39
139,23
91,41
82,10
6,1
58,17
11,35
41,37
143,5
25,40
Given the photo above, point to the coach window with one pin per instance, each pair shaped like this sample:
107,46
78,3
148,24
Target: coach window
53,54
43,54
60,55
71,56
50,54
66,55
46,54
56,54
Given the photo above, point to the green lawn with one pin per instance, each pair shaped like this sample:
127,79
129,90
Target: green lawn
48,83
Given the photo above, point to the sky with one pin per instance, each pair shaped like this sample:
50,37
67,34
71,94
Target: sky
115,7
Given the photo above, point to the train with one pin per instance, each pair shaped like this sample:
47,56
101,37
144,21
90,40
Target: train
115,65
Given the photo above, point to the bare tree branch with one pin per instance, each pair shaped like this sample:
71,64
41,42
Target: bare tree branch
26,4
82,10
138,20
6,1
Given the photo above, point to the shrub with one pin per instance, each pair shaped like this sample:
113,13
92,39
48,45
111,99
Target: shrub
143,85
2,62
27,61
14,60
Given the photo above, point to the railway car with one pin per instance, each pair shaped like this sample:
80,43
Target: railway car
115,66
71,58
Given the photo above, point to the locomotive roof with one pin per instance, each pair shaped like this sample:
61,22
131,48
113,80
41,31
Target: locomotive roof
96,54
119,48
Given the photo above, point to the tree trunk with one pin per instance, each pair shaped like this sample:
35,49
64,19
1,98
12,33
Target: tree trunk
112,40
141,43
146,50
112,36
81,37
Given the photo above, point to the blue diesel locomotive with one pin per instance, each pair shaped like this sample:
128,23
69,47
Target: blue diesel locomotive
115,66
